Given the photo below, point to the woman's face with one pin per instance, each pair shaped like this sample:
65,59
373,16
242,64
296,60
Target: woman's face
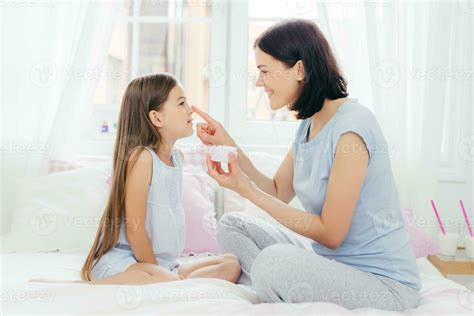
174,119
282,84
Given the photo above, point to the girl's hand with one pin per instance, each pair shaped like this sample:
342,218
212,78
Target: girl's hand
234,180
212,132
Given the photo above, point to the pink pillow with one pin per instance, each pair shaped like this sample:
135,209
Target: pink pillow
199,212
422,244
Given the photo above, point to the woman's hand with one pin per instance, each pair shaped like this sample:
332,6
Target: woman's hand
234,180
212,132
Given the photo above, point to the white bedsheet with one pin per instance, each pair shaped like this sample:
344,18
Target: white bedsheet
439,295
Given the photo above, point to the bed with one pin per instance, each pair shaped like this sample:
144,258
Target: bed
45,220
438,294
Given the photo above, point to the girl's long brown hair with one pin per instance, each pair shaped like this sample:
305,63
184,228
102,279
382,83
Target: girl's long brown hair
135,131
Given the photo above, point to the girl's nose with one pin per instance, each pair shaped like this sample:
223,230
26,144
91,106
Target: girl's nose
190,110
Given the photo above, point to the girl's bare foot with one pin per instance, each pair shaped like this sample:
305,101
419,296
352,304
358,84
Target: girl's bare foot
55,281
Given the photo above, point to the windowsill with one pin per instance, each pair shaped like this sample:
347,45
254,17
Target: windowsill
105,146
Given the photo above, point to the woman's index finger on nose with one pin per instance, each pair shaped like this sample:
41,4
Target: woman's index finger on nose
205,116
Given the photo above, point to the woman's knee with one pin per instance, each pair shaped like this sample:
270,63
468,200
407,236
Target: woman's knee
227,224
233,222
263,261
272,256
269,268
227,220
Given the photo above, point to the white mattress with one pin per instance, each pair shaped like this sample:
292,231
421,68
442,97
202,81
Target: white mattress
439,295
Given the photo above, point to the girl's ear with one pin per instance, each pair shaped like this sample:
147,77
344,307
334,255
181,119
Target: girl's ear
156,118
299,70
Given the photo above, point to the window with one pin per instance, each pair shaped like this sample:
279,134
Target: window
152,36
261,15
208,45
250,118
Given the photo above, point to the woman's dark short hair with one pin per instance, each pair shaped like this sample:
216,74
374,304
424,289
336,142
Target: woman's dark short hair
298,39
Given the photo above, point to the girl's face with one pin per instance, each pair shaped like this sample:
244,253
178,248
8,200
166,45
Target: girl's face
282,84
174,119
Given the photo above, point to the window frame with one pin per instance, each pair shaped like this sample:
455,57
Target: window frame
257,132
134,19
227,101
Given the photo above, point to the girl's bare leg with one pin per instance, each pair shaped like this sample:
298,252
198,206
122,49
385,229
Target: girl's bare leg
224,267
56,281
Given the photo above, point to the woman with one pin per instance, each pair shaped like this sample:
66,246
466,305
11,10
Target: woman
349,245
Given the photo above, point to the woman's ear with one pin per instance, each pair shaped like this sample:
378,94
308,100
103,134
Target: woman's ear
299,69
156,118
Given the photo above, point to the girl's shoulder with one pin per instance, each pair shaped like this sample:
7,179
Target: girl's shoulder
140,164
140,155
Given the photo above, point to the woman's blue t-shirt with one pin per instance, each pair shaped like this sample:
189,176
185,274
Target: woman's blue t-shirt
377,241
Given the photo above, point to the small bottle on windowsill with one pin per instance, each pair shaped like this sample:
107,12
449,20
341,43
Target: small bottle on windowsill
105,127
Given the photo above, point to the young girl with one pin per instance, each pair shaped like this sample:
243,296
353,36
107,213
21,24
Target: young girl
142,231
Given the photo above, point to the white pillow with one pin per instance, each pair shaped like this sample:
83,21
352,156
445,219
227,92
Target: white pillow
59,211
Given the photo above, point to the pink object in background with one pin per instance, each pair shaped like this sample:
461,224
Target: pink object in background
423,245
105,127
466,219
437,218
199,212
198,204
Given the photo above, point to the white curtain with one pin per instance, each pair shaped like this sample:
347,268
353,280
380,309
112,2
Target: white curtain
411,63
52,56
